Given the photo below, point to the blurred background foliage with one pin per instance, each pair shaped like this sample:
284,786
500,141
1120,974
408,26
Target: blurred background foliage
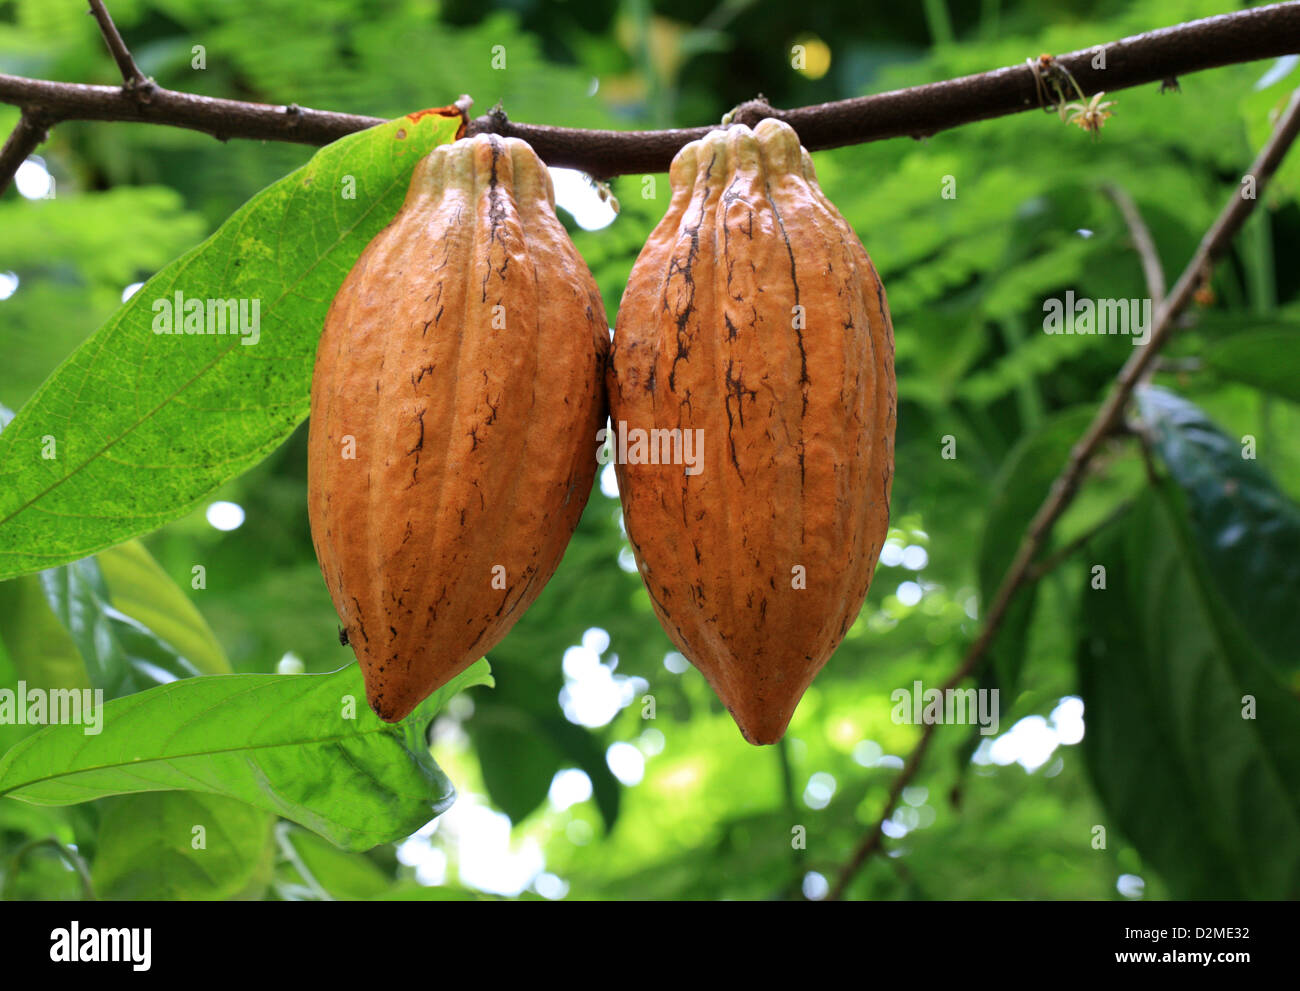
567,788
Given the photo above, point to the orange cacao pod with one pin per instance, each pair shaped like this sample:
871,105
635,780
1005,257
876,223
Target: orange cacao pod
754,323
462,366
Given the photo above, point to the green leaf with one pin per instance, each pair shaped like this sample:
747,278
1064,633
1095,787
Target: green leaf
1266,359
1019,489
43,654
140,588
73,254
300,746
34,648
142,851
121,654
1207,790
520,752
19,817
146,848
10,733
342,875
581,747
516,760
1246,528
66,629
135,427
522,741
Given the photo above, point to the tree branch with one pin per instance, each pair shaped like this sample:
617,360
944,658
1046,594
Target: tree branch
132,77
27,135
1050,564
1243,36
1143,243
223,119
924,110
1212,246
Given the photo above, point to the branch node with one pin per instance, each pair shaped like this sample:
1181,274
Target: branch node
141,89
38,124
494,121
751,112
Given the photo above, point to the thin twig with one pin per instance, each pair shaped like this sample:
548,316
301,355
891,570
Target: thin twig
27,135
1052,562
1212,246
1242,36
132,77
1143,243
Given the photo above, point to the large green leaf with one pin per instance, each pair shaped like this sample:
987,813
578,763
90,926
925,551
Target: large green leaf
181,846
136,427
305,747
1247,529
1209,796
1020,488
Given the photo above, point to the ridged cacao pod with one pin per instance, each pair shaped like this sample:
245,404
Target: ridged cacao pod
754,321
465,354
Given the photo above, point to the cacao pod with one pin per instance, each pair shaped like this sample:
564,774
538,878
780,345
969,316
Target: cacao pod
463,361
754,321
